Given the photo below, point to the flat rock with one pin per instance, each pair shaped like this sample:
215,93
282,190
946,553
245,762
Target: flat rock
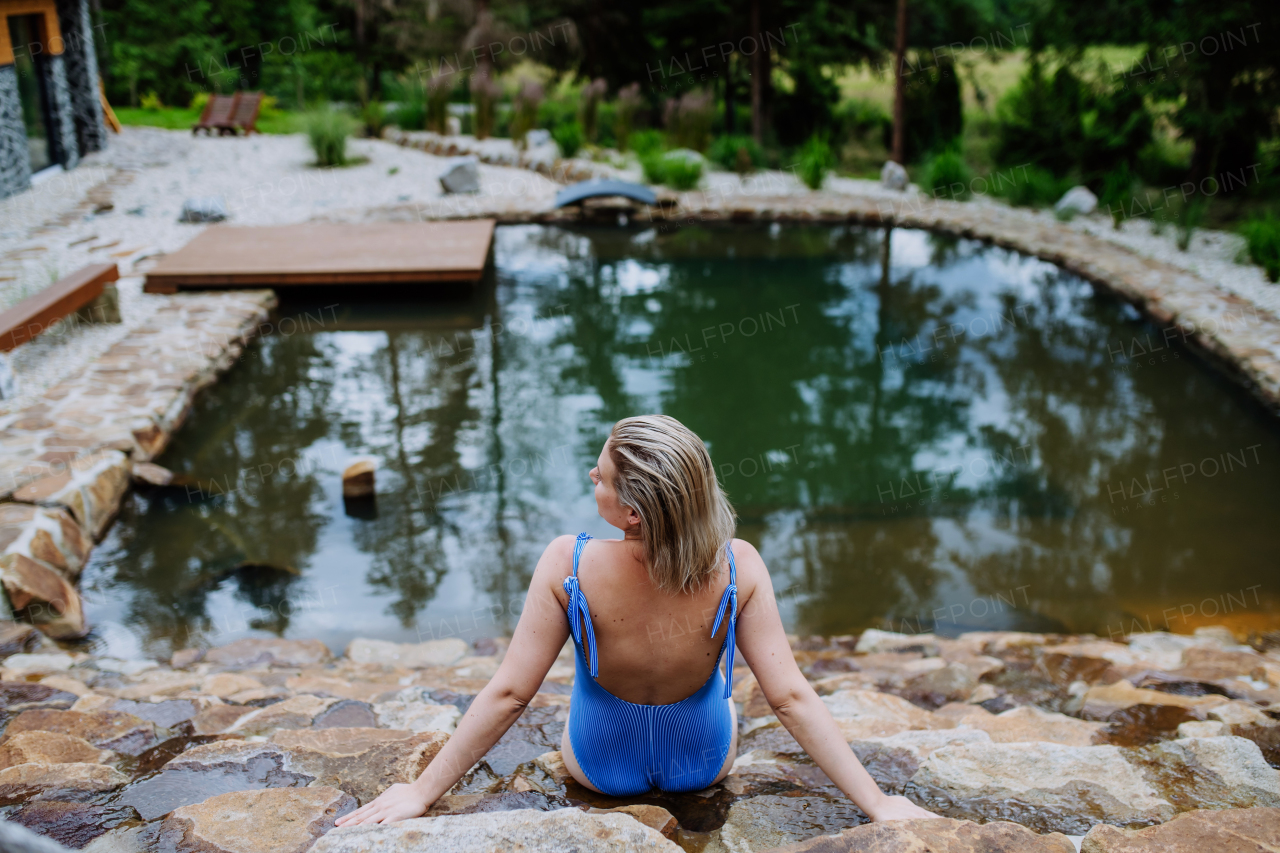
151,474
873,640
91,490
15,838
654,817
1211,772
411,710
16,638
57,781
361,761
47,535
70,823
1047,787
1101,701
501,832
271,820
764,822
19,696
250,652
1201,831
1025,724
892,761
348,713
227,684
296,712
118,732
210,770
44,596
410,655
39,747
934,836
951,682
864,705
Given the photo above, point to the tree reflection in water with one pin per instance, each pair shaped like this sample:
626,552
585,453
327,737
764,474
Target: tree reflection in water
918,432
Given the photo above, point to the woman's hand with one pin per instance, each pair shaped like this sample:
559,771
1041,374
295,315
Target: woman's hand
899,808
399,802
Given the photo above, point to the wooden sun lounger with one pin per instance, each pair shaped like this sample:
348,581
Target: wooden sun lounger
244,114
217,113
38,313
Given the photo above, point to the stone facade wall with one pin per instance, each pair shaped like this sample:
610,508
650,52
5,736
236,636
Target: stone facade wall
15,167
62,123
81,59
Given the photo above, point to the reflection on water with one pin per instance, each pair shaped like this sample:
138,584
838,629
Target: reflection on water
922,434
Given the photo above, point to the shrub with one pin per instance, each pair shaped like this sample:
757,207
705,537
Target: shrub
589,106
327,131
484,97
624,116
740,154
654,167
1262,238
645,141
151,101
373,117
198,101
1117,189
689,119
933,110
528,99
411,113
815,161
948,175
681,172
1030,186
1189,219
568,136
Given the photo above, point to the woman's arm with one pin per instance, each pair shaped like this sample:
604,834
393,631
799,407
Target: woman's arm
764,645
539,636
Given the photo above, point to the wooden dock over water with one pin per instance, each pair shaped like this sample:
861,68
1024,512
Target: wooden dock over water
312,254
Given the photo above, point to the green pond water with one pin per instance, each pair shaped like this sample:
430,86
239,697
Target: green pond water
921,434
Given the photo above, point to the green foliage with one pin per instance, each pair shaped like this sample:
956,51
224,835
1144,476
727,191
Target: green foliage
865,119
933,109
1262,237
947,175
373,118
815,162
645,142
484,98
411,113
528,98
437,94
568,135
1117,192
626,107
589,107
808,109
677,169
327,131
740,154
1068,126
1027,186
151,101
1189,218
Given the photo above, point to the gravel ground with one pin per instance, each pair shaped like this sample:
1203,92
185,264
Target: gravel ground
147,173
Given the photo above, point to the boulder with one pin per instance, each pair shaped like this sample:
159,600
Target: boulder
864,706
409,655
413,711
37,747
251,652
893,175
654,817
47,535
271,820
210,770
462,175
764,822
501,831
364,762
296,712
1047,787
118,732
44,596
210,208
893,760
1201,831
57,781
19,696
1211,772
1076,201
90,489
951,682
934,836
1025,724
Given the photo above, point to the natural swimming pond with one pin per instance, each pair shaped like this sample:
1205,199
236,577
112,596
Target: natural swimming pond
921,434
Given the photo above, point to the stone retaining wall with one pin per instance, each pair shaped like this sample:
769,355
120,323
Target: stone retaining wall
66,460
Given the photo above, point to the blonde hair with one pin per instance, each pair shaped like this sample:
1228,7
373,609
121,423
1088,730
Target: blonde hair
665,474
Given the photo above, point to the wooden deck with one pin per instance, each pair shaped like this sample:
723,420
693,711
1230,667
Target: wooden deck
38,313
322,253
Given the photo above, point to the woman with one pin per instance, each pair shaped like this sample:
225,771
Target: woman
650,707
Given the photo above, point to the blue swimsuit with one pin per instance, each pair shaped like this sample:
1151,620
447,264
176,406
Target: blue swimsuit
626,749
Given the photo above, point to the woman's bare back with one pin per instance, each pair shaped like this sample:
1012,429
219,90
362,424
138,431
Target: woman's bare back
655,648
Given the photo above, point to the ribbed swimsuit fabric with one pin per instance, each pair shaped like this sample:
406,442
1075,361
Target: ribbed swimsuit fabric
625,748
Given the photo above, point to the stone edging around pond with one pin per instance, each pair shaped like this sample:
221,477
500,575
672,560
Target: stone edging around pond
66,460
1236,336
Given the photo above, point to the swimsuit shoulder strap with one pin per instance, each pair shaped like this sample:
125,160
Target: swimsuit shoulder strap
579,612
729,604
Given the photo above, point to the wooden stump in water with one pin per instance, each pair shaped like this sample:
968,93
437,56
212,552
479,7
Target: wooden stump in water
358,479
